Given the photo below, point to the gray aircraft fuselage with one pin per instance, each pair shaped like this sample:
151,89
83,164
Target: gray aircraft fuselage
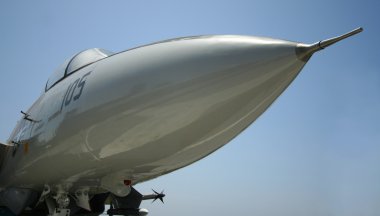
105,119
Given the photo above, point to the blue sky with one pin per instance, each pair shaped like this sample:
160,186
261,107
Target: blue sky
315,151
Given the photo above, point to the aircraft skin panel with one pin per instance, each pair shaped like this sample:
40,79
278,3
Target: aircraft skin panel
117,120
4,150
171,116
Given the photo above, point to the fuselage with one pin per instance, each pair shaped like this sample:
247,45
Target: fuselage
147,111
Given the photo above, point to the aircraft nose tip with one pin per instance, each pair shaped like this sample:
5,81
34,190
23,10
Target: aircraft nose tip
305,51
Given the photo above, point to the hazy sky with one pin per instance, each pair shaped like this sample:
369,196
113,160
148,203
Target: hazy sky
315,151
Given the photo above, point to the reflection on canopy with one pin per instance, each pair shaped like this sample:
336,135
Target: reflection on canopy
75,63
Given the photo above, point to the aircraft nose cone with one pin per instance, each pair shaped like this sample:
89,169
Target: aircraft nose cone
176,93
267,64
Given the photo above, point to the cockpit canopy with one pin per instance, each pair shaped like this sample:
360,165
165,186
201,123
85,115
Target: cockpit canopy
75,63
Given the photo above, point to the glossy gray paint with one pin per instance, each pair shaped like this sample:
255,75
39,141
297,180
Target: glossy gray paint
151,110
147,111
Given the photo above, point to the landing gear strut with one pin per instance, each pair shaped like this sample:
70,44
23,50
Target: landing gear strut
58,204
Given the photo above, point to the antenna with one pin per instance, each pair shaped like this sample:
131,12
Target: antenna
305,51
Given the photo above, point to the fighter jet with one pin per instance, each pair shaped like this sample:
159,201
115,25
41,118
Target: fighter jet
108,121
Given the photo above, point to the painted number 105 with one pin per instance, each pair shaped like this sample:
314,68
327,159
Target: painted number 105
74,91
